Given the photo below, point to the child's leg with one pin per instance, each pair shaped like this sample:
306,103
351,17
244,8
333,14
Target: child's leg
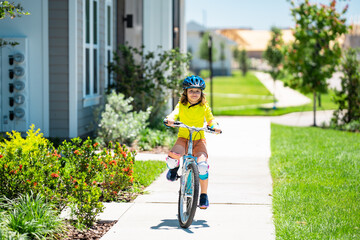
200,152
173,159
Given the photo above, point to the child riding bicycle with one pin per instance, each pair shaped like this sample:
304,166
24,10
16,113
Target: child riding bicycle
192,109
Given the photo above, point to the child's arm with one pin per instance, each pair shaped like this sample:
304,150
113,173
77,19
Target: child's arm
211,120
173,116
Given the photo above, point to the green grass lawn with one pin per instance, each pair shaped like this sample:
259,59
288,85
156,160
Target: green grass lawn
145,172
239,95
316,180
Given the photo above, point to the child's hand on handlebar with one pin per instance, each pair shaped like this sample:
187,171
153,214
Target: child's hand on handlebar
170,122
218,130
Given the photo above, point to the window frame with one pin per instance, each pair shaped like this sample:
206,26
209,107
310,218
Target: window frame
109,36
91,53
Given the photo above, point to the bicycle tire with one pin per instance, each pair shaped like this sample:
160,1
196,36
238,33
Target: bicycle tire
188,199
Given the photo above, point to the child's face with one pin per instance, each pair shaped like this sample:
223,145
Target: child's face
194,95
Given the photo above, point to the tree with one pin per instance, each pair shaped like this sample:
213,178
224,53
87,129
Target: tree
11,10
274,55
222,57
348,98
204,48
242,58
243,62
315,53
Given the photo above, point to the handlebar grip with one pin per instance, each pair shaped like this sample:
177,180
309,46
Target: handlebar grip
175,123
211,129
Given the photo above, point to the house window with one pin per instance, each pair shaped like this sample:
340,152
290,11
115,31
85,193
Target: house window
91,50
109,40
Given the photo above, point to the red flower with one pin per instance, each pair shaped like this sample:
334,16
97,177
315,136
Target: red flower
28,180
131,179
94,182
123,153
112,182
20,167
114,192
96,144
1,156
112,162
77,152
35,183
54,175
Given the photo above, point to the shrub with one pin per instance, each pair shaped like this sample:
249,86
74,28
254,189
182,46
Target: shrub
29,217
151,138
204,73
119,122
149,77
76,174
94,175
348,98
27,164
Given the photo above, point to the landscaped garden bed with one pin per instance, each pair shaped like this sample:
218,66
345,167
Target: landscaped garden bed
77,174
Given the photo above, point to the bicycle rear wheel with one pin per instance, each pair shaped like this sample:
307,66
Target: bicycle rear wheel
188,195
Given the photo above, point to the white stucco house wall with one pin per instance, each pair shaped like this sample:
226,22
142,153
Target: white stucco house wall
195,32
60,72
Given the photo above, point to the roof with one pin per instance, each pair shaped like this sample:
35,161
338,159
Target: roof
195,27
254,40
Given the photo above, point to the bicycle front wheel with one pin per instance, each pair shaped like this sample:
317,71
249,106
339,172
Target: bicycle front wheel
188,195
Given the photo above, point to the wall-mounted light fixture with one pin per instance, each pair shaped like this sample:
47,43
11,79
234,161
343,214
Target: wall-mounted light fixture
129,20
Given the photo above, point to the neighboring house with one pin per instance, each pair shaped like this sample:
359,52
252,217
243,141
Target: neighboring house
253,41
57,74
194,37
352,39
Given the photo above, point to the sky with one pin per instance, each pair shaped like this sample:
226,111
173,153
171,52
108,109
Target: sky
254,14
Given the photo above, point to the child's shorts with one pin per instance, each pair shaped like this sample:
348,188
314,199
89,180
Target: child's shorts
181,147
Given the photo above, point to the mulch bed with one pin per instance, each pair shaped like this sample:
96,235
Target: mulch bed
94,233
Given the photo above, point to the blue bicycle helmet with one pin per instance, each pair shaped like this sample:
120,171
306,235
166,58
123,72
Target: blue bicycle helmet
194,82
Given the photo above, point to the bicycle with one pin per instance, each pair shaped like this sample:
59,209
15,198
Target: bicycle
189,179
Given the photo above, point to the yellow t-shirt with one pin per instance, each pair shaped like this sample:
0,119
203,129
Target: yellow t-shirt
193,117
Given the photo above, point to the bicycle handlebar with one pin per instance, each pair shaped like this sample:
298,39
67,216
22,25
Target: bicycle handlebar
180,124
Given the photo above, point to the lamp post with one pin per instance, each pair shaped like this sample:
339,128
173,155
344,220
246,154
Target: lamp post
211,72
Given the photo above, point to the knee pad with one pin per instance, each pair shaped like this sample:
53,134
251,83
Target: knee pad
203,170
172,162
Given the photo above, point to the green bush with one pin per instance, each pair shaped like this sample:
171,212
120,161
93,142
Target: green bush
119,122
148,77
151,138
348,98
77,174
29,217
27,164
204,73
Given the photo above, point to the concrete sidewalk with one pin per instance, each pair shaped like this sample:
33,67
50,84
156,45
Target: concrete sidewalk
285,96
239,192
